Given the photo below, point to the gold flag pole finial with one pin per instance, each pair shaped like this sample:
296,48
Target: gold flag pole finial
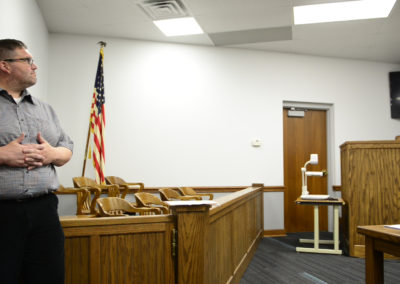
102,43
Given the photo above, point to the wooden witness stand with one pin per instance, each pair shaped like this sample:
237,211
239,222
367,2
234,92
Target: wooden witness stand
370,188
195,244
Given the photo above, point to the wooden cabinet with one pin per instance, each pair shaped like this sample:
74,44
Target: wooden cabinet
370,173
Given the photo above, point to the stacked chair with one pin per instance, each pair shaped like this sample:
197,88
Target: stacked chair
115,206
188,191
124,186
168,194
85,205
93,187
112,190
145,199
88,194
112,206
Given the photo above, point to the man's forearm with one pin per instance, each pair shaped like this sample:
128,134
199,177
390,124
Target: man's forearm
61,156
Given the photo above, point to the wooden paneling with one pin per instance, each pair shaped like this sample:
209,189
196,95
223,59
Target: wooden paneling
235,229
370,174
220,254
191,222
118,250
77,256
213,245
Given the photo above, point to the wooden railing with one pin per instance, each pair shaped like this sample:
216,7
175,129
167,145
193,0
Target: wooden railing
195,244
202,189
236,227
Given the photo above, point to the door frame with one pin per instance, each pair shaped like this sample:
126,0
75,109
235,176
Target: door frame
329,108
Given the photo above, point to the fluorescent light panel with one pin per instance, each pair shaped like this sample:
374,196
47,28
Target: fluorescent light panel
342,11
179,26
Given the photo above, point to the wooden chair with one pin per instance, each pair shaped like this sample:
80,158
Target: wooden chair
192,192
124,186
112,190
85,205
145,199
171,194
115,206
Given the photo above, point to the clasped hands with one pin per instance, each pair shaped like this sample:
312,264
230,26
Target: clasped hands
29,156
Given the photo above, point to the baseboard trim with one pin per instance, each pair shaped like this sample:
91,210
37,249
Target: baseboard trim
245,261
274,233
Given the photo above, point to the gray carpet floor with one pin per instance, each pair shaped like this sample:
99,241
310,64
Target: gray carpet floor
276,261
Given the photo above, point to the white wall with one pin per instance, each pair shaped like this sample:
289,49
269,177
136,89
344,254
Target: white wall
176,114
185,115
22,20
274,218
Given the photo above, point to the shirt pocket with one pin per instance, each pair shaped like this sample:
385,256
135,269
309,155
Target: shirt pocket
47,128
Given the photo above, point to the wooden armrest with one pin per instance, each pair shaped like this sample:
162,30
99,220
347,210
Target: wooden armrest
69,190
210,195
115,206
112,189
106,186
190,191
188,197
163,208
97,194
140,184
127,186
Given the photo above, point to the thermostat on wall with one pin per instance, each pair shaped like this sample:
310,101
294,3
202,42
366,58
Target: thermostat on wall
256,143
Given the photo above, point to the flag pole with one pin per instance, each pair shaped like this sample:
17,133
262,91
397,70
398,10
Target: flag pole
102,45
86,150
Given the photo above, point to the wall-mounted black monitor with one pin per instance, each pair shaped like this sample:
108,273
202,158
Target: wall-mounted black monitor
394,79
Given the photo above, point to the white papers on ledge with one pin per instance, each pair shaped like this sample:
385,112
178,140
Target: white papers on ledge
192,202
397,226
315,196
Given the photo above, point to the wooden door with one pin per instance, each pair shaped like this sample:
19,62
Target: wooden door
303,136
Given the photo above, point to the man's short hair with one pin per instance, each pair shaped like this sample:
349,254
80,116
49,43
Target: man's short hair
8,46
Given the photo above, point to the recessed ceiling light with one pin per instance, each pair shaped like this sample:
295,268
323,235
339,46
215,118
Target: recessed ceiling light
342,11
179,26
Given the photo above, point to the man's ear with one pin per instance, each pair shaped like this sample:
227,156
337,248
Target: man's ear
4,67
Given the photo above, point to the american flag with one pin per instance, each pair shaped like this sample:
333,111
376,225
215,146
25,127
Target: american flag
98,122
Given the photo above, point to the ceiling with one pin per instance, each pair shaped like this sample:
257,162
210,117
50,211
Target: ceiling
247,24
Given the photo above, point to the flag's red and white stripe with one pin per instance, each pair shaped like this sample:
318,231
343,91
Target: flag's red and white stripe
97,122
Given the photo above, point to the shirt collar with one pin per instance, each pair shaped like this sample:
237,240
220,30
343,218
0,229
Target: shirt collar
25,95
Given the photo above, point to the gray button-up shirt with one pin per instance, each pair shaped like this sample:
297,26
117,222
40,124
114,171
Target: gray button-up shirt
30,116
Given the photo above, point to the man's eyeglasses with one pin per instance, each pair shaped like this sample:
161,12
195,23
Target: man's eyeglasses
27,60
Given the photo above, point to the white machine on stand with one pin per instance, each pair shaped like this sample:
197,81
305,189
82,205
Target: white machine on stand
317,200
304,174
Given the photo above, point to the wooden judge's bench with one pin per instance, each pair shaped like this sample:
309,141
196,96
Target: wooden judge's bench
194,244
370,174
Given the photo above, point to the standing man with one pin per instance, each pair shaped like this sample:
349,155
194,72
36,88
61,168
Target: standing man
32,143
